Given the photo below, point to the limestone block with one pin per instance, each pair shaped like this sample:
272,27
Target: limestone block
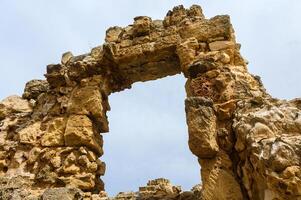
219,26
17,164
101,167
61,193
201,121
187,52
126,196
113,33
46,175
159,189
220,45
187,195
175,16
97,52
46,104
126,43
66,57
34,88
195,11
55,75
29,134
199,67
88,101
260,131
128,53
70,165
225,110
218,180
81,181
141,26
99,197
179,13
17,188
14,104
3,112
33,155
79,132
54,133
224,58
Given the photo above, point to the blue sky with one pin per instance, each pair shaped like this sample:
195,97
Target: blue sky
148,136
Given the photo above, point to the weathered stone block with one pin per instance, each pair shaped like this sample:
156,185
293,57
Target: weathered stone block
219,26
81,181
218,179
159,189
220,45
14,104
179,13
66,57
54,133
62,193
201,121
113,33
88,101
141,26
79,132
187,52
34,88
29,134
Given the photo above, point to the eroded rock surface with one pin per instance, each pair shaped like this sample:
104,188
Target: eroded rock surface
248,143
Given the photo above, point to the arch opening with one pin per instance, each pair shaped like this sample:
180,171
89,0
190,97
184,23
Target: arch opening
148,137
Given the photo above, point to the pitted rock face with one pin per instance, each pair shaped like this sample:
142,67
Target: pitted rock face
34,88
247,143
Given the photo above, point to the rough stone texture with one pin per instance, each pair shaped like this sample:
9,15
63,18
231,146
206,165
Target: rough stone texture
201,122
269,146
248,144
34,88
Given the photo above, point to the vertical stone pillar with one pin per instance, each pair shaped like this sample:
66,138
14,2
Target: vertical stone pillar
209,107
67,121
86,119
201,121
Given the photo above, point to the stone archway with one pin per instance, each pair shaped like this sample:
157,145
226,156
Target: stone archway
51,137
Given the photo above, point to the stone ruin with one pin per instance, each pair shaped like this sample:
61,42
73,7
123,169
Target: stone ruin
248,143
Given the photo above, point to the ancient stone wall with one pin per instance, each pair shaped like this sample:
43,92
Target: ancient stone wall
248,144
